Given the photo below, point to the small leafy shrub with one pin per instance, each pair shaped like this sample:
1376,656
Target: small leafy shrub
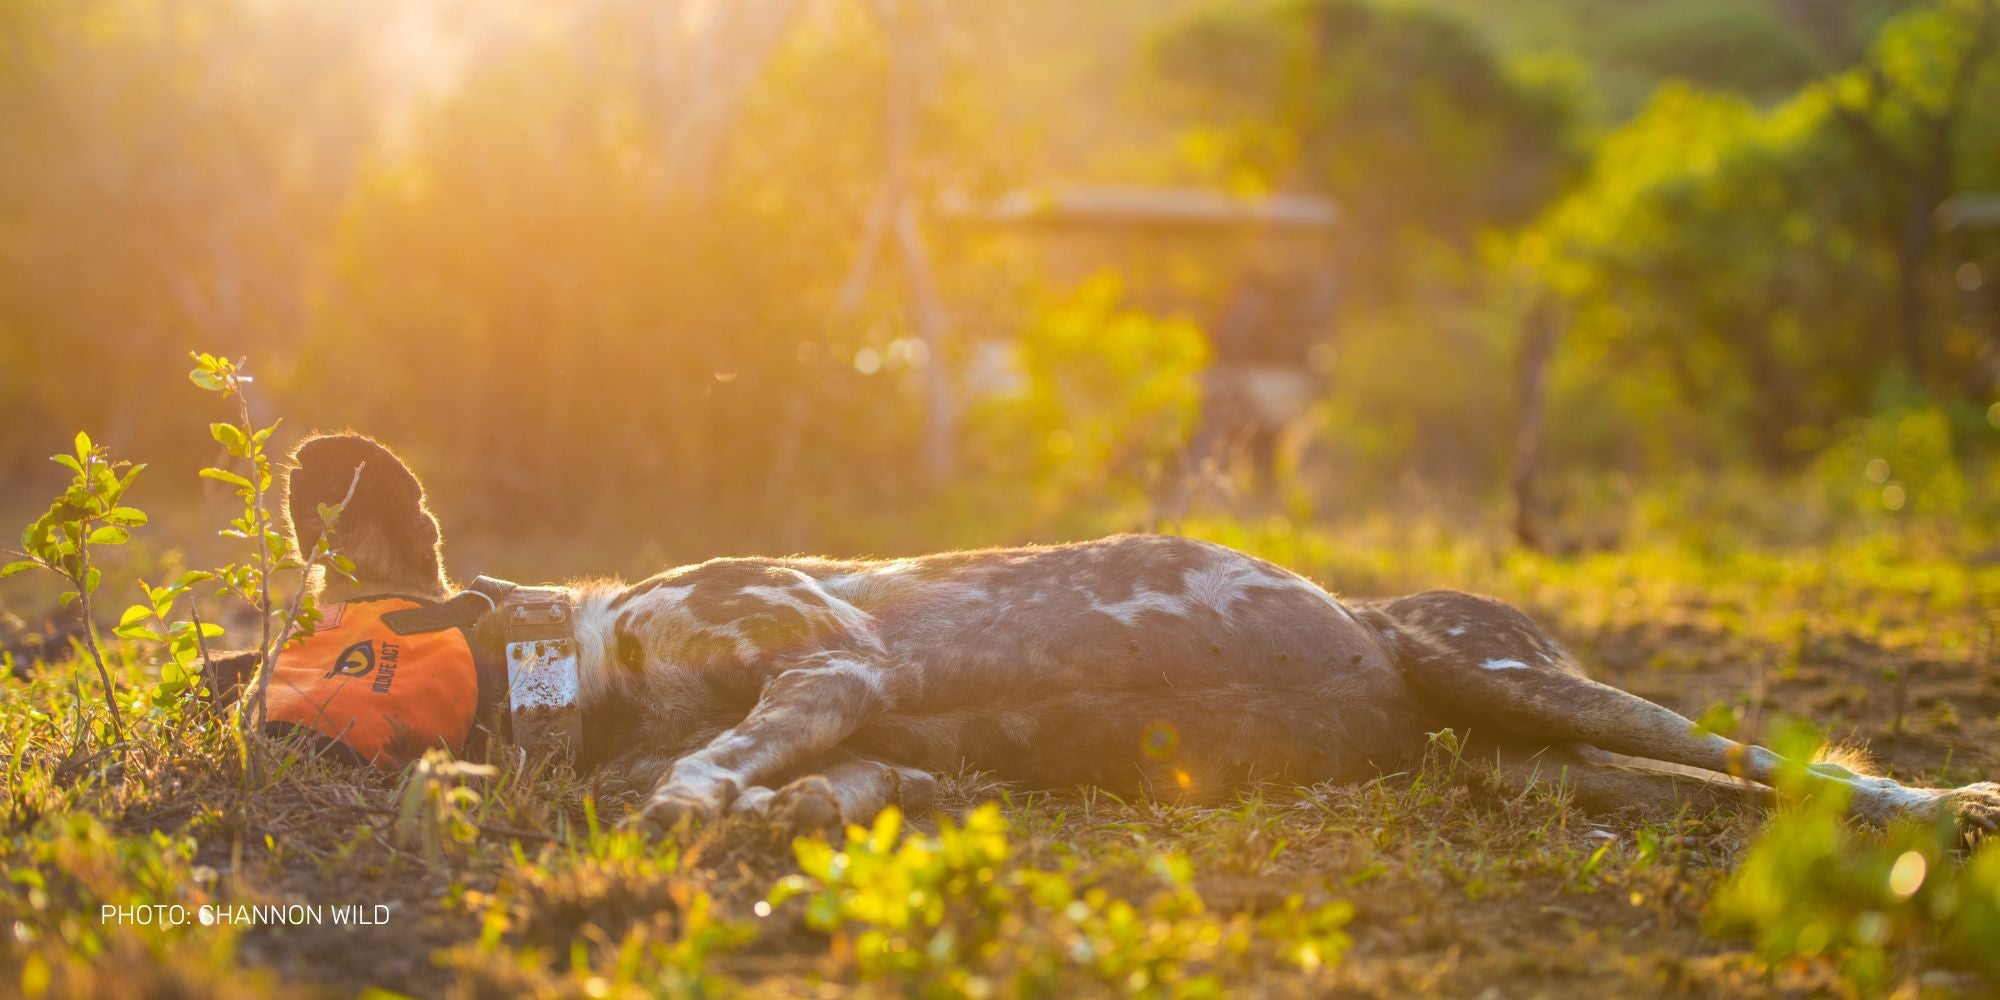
271,550
89,512
950,916
1815,886
184,640
436,814
626,914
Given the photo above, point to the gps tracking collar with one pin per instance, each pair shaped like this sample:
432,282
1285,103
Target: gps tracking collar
543,681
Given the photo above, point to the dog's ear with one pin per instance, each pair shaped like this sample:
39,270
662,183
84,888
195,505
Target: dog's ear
386,527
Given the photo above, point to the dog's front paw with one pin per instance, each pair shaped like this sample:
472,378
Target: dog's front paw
916,791
1975,808
754,801
672,809
806,804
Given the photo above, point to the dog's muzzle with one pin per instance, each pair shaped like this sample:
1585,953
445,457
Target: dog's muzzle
544,686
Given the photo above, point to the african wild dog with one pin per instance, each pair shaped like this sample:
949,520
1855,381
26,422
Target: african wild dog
816,690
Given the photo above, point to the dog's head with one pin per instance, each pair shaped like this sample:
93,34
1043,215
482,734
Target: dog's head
385,527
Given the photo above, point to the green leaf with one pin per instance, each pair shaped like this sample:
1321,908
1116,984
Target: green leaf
70,461
21,566
135,613
230,437
329,514
206,379
131,517
83,445
209,630
91,580
139,630
226,476
68,598
192,577
110,534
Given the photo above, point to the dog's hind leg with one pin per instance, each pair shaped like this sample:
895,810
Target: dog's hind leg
1483,664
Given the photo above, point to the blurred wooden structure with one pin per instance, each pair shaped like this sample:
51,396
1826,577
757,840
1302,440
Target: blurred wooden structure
1257,271
1083,206
1970,211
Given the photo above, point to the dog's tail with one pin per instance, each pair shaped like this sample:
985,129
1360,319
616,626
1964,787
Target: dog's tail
386,526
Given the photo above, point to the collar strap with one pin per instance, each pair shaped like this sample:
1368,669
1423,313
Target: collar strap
544,685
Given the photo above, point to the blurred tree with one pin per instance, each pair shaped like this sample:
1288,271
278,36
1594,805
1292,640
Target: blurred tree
1738,45
1753,255
1761,49
1403,113
538,271
574,255
1429,139
170,171
705,59
1932,81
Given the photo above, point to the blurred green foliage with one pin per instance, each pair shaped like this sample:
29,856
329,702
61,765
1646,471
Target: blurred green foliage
1813,885
1405,113
619,262
1101,408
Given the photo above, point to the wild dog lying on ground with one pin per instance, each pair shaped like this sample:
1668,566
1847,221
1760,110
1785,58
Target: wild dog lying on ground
816,690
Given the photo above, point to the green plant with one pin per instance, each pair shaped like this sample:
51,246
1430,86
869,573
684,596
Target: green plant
627,915
94,911
89,512
436,807
1813,885
954,914
274,550
185,640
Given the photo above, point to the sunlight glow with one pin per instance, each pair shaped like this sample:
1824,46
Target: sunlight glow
1908,874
